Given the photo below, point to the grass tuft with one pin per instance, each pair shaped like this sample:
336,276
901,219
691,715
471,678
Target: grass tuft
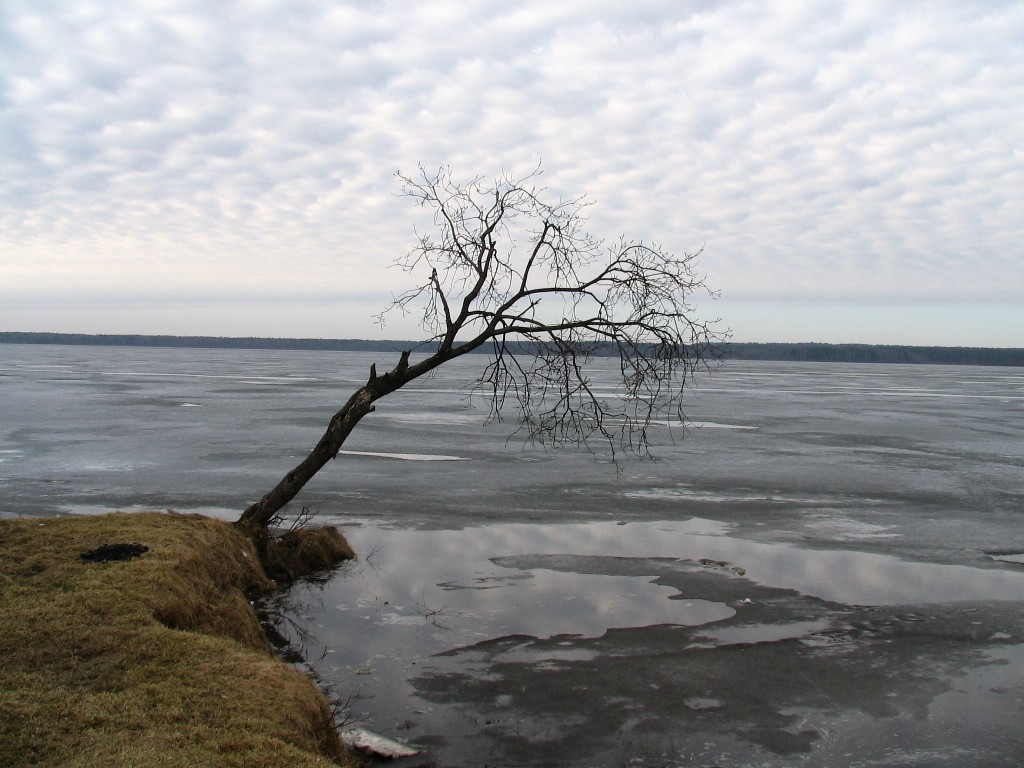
303,551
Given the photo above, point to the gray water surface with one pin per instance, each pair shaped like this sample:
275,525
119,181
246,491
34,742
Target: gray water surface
825,570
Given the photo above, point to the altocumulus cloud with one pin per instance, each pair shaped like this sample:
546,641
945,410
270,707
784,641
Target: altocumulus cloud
240,154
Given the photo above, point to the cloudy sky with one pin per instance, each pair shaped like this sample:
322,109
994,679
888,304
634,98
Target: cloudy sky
854,170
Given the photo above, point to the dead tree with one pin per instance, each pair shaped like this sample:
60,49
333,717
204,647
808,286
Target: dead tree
506,269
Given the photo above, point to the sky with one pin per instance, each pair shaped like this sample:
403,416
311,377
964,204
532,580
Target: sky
854,171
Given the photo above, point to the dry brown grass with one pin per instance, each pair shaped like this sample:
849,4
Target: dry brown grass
153,661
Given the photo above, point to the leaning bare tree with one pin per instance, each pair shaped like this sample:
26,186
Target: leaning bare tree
506,269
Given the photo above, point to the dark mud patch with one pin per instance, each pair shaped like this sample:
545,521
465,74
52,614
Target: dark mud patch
109,553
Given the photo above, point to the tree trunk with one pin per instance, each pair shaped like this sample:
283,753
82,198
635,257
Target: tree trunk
257,516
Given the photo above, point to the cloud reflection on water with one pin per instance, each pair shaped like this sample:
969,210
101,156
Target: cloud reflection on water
473,573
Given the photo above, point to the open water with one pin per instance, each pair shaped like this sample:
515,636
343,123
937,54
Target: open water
825,567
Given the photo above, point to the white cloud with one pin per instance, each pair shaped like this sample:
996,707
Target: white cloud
855,152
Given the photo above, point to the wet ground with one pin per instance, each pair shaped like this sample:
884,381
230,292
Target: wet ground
827,570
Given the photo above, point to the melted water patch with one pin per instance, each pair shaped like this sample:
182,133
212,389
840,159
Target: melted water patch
463,561
429,621
420,593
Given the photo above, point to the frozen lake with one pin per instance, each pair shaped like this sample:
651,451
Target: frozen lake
826,570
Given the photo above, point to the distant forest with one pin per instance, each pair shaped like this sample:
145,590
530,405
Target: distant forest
805,353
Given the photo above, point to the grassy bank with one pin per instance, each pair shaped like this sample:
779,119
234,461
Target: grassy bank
158,660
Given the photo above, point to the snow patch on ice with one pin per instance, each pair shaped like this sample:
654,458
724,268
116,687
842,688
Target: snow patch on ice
404,456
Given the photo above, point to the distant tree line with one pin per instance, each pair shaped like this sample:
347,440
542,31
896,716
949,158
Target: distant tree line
805,353
875,353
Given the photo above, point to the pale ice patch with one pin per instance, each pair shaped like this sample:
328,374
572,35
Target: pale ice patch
845,528
698,703
408,619
1010,557
7,455
404,456
113,465
244,378
434,418
687,493
676,424
40,367
668,494
718,425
